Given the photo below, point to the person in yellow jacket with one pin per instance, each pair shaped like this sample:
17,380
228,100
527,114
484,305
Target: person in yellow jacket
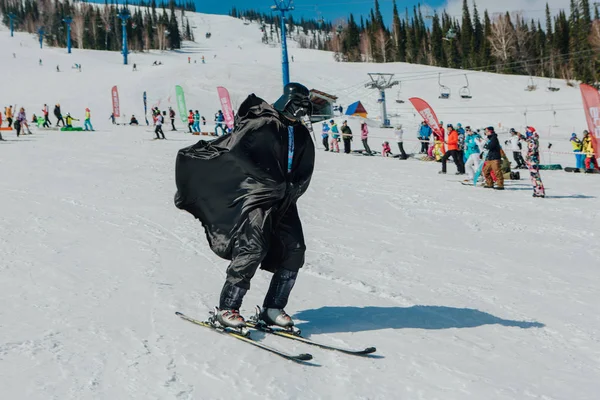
588,149
70,120
87,123
8,111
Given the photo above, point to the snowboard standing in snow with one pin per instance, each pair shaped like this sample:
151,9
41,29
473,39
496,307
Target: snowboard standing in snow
243,187
533,162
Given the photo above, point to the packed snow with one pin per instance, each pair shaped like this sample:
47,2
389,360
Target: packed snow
466,293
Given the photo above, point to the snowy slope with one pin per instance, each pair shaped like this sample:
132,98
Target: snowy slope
467,294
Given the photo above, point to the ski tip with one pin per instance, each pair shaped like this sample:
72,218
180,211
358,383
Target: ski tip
370,350
178,313
304,357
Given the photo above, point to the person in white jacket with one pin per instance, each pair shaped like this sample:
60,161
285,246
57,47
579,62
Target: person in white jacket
399,133
515,146
473,145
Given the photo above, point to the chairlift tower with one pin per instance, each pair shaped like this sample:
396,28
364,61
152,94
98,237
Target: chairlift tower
41,32
381,82
283,7
124,15
11,17
68,20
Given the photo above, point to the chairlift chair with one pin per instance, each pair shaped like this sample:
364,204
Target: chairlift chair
532,86
444,90
465,92
398,99
552,88
451,34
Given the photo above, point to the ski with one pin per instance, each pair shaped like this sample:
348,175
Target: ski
297,358
294,336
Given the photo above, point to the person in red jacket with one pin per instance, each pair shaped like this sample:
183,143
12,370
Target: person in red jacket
190,120
453,151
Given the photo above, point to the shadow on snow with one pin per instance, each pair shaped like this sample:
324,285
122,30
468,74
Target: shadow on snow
358,319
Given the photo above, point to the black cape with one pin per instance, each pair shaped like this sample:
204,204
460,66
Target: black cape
221,181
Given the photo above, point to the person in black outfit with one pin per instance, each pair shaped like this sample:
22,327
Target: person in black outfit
346,137
244,187
160,119
493,161
58,115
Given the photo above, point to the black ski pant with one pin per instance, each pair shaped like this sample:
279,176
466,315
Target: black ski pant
158,130
47,122
347,146
9,119
190,126
402,152
457,160
519,159
173,124
59,118
326,143
264,239
366,146
424,144
18,128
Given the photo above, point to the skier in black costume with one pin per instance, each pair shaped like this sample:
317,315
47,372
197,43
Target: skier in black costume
243,187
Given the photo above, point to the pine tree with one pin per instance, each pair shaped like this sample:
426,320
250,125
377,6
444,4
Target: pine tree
466,36
478,38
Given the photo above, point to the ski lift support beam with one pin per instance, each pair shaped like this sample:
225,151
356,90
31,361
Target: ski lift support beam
382,81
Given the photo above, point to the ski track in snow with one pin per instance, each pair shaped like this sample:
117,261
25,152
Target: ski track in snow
466,293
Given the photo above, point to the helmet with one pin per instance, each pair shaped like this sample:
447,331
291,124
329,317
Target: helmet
573,135
459,125
295,101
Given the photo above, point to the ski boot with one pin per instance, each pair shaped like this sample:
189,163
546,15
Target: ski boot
272,313
227,315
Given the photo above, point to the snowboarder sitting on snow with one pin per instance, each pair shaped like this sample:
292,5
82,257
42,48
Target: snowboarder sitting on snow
133,121
69,120
244,187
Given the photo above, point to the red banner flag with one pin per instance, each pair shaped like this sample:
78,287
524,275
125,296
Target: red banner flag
226,106
115,102
428,115
591,104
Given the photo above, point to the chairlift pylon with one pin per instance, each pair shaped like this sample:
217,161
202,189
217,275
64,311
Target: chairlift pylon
465,91
531,86
444,90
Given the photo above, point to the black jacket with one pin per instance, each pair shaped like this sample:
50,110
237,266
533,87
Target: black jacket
221,181
493,147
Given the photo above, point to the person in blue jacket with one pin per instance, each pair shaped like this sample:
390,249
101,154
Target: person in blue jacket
473,141
219,119
325,135
424,134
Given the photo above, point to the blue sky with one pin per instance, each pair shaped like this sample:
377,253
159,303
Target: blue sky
330,10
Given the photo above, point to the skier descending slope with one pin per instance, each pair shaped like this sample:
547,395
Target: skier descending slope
243,187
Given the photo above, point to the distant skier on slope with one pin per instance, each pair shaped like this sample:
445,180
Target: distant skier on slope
243,187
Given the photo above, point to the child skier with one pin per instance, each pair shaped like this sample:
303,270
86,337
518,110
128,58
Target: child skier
386,151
